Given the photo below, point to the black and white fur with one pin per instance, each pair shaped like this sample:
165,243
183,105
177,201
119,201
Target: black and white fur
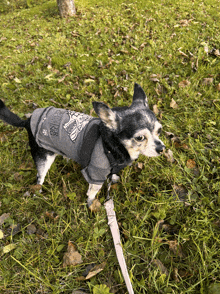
126,131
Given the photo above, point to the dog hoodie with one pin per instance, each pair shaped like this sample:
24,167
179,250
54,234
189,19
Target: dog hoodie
74,135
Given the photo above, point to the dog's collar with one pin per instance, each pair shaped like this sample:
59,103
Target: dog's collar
93,132
116,166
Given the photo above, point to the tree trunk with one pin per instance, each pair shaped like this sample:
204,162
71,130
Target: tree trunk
66,8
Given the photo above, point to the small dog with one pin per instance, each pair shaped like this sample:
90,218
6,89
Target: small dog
103,146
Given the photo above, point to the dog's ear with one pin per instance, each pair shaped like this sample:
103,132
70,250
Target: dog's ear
139,95
105,113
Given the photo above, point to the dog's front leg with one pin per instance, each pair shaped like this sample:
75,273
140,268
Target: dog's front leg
91,193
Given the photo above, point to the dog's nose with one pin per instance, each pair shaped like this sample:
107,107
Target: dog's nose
160,148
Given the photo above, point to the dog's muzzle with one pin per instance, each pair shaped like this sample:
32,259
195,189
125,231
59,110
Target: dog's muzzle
159,147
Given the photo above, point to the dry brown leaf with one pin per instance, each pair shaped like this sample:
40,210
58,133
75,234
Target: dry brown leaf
52,215
18,177
170,229
184,83
140,165
143,45
71,257
155,109
3,217
31,229
154,78
191,163
185,22
207,81
35,188
182,53
95,206
14,229
175,275
175,248
216,52
169,155
63,78
95,270
180,192
218,87
161,267
160,89
184,146
173,104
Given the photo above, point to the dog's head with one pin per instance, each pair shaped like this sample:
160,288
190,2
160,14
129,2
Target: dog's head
136,126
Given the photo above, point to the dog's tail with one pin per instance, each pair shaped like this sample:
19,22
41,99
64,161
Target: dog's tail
11,118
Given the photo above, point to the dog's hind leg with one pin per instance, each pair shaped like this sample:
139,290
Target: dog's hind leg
43,161
43,158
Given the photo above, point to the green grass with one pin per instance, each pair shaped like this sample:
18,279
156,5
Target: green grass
98,55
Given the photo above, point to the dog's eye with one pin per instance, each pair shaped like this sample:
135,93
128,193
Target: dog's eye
140,138
159,131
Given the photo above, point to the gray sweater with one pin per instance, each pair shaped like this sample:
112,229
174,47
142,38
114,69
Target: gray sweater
71,134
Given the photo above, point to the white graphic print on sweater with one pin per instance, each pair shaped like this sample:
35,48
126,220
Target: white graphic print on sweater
76,123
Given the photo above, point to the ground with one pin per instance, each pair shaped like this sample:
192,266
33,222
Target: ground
167,207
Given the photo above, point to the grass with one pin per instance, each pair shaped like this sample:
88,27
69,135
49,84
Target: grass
170,246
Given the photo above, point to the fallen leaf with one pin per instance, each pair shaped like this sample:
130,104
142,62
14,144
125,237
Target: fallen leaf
185,22
27,194
87,81
63,78
161,267
8,248
184,146
52,215
175,248
218,87
95,206
180,192
154,78
173,104
207,81
140,165
191,163
18,177
155,109
88,268
170,229
172,137
184,84
143,45
215,52
169,155
95,270
175,275
182,53
17,81
3,217
31,229
1,234
71,257
35,188
15,229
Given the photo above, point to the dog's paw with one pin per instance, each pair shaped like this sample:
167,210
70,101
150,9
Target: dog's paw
94,206
115,178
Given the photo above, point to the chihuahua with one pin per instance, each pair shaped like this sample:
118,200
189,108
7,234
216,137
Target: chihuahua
103,146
